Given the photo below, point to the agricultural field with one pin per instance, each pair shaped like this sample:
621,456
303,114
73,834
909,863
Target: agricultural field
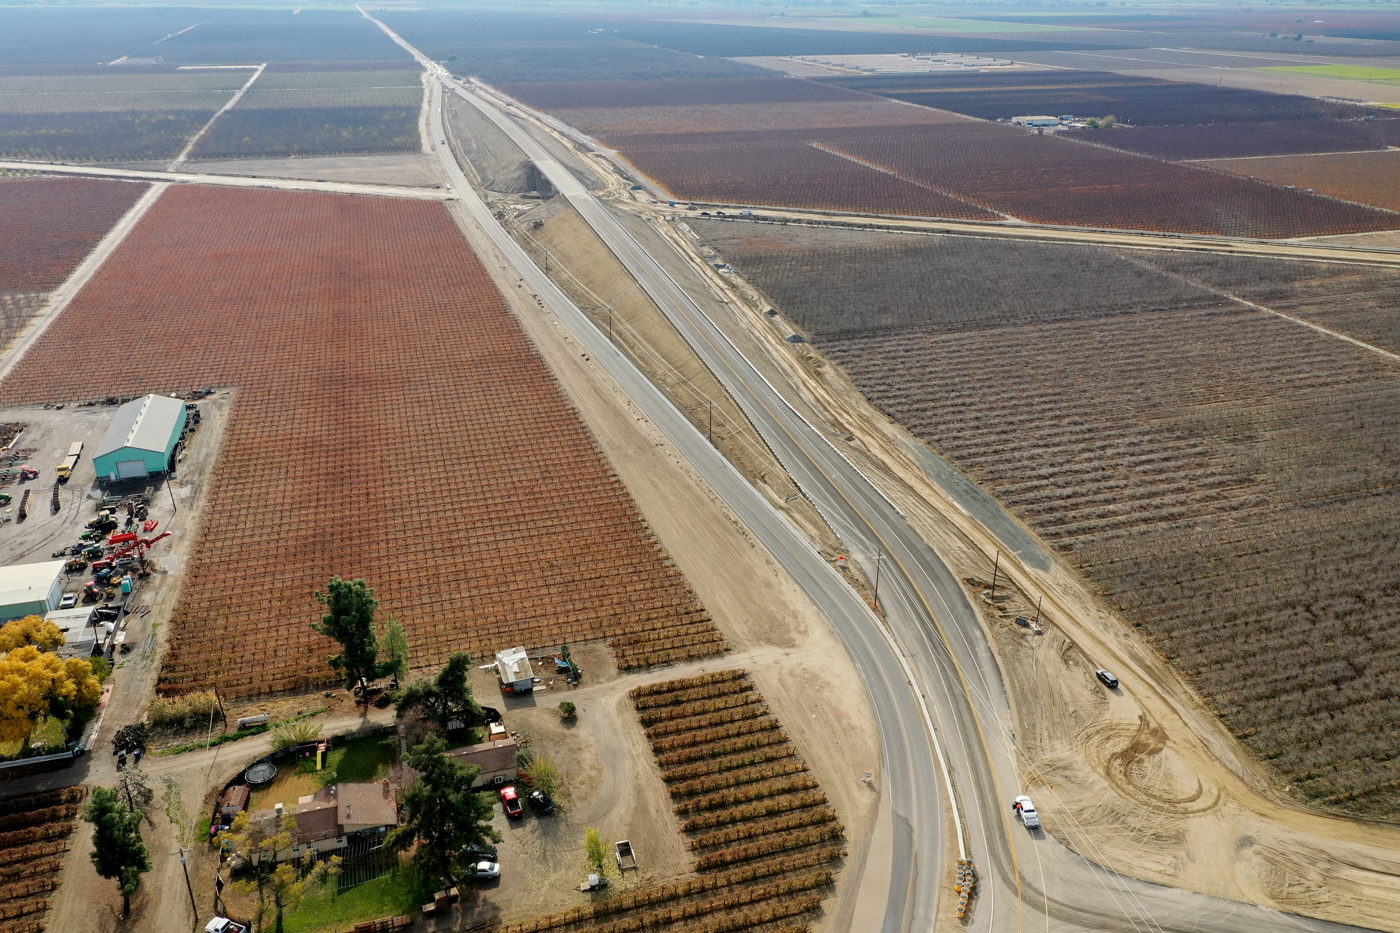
113,116
1363,177
300,112
1237,502
1358,301
875,157
765,840
1136,100
391,422
116,92
34,833
1239,140
52,223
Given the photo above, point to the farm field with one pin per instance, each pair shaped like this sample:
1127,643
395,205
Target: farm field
52,223
1237,501
127,136
1364,177
1355,300
382,386
817,154
302,112
1137,100
88,93
34,833
765,840
1235,140
1354,72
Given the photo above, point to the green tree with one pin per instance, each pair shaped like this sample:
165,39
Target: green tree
349,619
396,644
446,697
545,774
595,849
444,815
117,850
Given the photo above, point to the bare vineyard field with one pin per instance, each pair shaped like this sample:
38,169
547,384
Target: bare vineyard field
1239,502
287,89
52,223
1228,479
1358,301
35,94
573,95
765,839
391,422
897,282
616,122
255,133
117,136
1137,100
790,174
34,833
1364,177
1232,140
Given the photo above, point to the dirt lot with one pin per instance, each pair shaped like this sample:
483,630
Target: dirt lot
1145,780
405,169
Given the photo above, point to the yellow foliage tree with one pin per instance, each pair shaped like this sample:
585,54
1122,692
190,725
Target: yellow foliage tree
35,684
31,630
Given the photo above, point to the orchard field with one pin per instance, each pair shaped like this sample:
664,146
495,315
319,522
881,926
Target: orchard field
1228,479
391,422
1365,177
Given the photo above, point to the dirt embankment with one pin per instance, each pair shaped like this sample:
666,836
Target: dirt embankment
1143,780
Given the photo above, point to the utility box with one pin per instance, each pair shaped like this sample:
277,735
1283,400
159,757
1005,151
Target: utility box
513,667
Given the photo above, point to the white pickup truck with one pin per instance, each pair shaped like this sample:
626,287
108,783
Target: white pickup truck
224,925
1025,810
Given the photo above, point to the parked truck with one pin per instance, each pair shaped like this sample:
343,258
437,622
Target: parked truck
65,469
626,856
1026,811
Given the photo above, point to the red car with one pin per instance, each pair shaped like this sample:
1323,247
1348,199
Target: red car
511,801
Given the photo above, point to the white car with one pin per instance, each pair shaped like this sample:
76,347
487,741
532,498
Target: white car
69,601
1025,810
485,870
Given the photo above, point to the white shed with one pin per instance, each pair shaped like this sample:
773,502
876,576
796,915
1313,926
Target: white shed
30,589
513,667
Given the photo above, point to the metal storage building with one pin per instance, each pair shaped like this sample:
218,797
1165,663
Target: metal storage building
30,589
142,438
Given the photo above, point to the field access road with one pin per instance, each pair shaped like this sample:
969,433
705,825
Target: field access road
230,181
1027,881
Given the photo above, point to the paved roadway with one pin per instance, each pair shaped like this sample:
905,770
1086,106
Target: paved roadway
231,181
1027,881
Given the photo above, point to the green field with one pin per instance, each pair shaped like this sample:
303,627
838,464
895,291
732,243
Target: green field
1350,72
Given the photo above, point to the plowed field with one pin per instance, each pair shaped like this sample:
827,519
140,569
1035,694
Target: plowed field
392,422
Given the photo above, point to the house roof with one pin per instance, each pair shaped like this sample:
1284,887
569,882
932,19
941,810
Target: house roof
488,756
360,804
145,423
316,821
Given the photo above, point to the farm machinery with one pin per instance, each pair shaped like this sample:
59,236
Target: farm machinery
130,552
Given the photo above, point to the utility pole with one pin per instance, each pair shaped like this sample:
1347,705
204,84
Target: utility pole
710,412
189,887
610,340
995,568
880,559
1038,601
171,490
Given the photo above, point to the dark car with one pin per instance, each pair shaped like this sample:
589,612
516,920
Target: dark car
541,802
511,801
1108,679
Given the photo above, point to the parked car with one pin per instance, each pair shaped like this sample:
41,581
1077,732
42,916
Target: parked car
69,601
541,802
1108,679
1025,810
478,852
485,871
511,801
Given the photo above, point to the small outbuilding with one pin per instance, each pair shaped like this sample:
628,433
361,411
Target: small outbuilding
513,667
30,589
141,440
